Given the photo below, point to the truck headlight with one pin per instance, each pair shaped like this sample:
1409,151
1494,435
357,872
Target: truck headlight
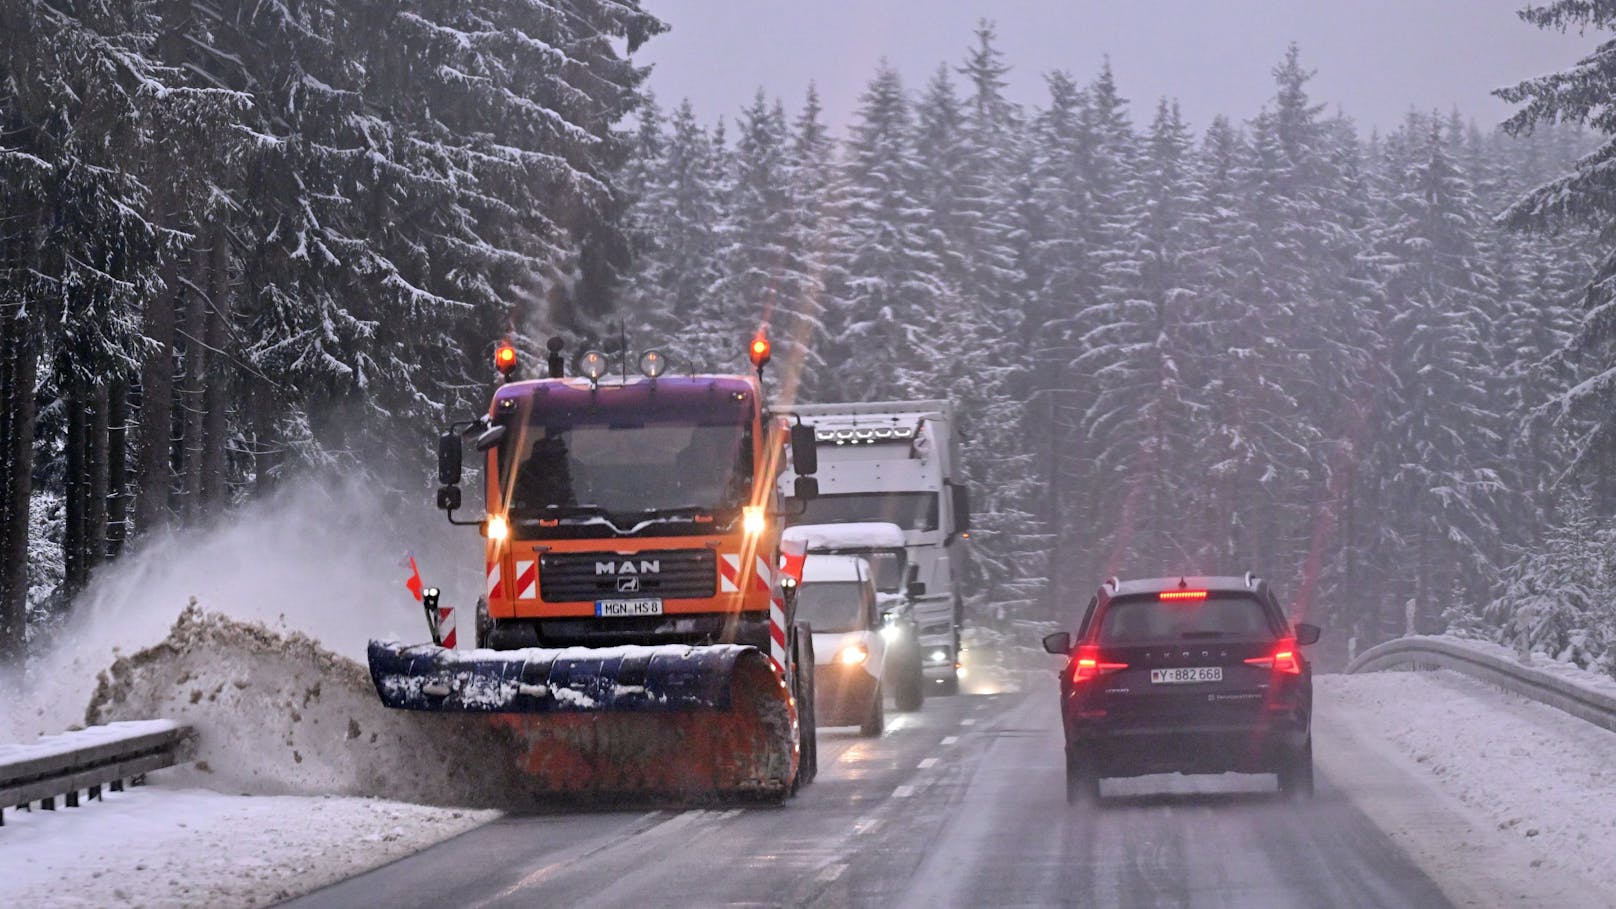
752,520
938,656
891,632
853,655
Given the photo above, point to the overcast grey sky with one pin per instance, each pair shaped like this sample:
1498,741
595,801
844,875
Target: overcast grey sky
1374,58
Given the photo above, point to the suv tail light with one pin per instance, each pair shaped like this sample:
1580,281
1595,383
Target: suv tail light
1089,664
1283,659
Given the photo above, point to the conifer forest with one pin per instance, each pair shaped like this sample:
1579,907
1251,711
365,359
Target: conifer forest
241,241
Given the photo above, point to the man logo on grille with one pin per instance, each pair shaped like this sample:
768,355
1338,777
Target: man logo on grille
628,585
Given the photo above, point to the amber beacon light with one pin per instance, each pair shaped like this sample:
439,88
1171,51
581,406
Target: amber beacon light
759,351
505,358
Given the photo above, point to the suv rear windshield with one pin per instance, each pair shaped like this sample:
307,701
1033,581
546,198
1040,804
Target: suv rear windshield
1147,619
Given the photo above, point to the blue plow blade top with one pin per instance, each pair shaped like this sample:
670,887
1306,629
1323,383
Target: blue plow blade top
573,680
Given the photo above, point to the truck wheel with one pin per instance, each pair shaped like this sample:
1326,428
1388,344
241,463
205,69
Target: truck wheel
484,625
911,691
807,724
877,718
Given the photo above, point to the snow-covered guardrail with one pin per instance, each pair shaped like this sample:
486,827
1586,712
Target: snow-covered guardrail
1558,685
87,759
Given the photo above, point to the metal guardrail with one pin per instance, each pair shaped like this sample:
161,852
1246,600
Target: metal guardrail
1545,687
87,759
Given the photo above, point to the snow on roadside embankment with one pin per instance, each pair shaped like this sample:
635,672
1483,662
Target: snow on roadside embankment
1531,788
293,754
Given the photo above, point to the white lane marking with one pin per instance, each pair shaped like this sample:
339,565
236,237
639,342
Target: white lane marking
832,872
928,763
865,825
903,792
967,722
950,739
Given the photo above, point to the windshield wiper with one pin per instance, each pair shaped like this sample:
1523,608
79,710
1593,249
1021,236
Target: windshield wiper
555,512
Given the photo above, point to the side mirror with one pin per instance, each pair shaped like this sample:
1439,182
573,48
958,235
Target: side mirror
805,488
449,498
804,450
1307,634
962,507
916,589
1059,643
490,437
448,459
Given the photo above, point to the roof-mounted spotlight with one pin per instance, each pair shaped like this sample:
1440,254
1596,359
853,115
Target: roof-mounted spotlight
592,365
653,364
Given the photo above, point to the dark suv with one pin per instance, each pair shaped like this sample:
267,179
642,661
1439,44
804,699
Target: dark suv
1187,675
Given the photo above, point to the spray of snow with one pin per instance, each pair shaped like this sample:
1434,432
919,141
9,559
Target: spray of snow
321,558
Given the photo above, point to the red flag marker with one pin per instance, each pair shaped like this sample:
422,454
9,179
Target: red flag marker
414,582
793,553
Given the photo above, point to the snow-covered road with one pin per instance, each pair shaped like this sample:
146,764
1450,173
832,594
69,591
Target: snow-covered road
1433,789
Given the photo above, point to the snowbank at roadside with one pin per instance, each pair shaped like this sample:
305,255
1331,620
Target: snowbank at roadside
165,845
277,714
1536,784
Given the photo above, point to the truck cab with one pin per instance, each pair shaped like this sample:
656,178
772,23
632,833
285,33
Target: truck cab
897,462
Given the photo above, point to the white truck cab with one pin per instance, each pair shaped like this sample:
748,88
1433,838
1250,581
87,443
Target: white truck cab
897,462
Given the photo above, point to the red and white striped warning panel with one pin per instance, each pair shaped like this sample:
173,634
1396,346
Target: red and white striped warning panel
777,613
495,590
446,626
527,579
729,573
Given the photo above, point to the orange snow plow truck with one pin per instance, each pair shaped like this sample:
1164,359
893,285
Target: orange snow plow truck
636,634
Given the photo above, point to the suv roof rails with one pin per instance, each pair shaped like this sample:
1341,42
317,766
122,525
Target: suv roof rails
1113,583
1251,580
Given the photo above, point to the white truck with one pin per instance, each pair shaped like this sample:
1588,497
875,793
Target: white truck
897,462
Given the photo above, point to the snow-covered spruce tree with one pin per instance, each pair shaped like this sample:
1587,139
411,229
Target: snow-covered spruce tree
765,272
812,170
1104,167
679,212
889,295
1435,410
88,104
1558,597
1586,195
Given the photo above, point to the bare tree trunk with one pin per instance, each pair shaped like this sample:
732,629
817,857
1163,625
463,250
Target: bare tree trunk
75,542
117,466
155,476
196,365
95,465
217,388
20,454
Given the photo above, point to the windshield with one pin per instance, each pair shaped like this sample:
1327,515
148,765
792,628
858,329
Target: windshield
1143,620
886,566
909,510
833,605
621,471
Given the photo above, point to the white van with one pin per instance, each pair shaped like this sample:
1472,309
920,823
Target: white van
837,600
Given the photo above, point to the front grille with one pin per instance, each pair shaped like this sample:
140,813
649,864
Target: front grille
668,573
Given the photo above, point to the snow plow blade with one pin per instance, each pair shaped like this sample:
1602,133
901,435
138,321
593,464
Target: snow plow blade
674,720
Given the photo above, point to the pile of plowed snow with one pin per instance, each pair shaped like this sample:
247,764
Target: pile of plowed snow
277,714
